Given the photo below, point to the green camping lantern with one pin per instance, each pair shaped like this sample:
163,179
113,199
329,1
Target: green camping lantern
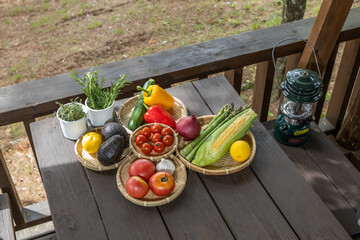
301,88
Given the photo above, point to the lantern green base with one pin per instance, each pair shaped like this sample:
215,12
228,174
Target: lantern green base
290,135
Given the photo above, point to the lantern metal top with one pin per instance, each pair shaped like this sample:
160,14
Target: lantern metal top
302,86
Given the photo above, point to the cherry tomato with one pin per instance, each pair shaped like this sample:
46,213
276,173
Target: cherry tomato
146,148
156,128
143,168
156,137
136,187
166,131
159,147
168,140
146,132
140,139
162,183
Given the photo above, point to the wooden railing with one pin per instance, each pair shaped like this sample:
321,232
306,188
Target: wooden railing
27,101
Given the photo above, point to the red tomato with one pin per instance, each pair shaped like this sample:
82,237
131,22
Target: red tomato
156,128
168,140
146,148
146,132
156,137
162,185
143,168
159,147
166,131
140,139
136,187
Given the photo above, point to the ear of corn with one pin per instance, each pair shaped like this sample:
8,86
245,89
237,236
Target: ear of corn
219,143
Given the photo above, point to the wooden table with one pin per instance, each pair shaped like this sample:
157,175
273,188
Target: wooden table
268,200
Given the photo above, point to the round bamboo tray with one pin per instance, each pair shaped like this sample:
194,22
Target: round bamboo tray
150,199
89,160
224,166
177,111
153,156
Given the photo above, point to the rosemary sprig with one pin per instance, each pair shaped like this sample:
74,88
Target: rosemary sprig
98,98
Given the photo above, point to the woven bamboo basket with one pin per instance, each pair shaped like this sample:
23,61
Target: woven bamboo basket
90,161
224,166
150,199
177,111
153,156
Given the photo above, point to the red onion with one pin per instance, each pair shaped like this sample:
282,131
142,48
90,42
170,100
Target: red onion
188,127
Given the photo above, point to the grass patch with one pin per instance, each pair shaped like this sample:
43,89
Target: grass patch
94,24
17,77
15,11
42,21
119,31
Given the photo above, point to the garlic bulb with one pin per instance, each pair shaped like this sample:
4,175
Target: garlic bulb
165,166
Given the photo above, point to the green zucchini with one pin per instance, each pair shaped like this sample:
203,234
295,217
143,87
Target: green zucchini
137,116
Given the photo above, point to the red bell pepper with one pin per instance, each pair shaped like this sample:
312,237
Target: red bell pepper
157,114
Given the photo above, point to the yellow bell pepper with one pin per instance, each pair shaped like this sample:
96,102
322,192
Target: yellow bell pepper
155,95
91,142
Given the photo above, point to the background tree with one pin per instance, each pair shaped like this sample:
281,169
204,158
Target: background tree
292,10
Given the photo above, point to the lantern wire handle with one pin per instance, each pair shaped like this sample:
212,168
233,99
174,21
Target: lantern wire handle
287,39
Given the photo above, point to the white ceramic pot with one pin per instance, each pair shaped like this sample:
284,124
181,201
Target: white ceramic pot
99,117
73,129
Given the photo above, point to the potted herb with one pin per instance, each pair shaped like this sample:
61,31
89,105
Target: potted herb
72,118
100,102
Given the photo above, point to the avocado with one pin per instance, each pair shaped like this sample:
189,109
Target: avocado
113,128
110,150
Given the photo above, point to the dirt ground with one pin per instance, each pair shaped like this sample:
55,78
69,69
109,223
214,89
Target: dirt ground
41,38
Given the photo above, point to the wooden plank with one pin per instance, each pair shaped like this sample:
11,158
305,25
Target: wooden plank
244,187
344,83
333,162
67,188
37,98
257,210
262,90
321,183
325,33
120,216
179,218
318,106
7,228
297,201
7,186
235,78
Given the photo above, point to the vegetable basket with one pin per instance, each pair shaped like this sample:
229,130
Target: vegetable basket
177,111
89,160
150,199
226,165
153,156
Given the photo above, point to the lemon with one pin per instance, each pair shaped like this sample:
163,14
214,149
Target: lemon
91,142
240,150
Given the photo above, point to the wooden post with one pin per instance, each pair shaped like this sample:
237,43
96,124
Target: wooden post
7,186
344,83
325,32
349,134
318,106
235,78
262,90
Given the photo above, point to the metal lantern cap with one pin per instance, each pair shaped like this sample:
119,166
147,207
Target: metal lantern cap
302,86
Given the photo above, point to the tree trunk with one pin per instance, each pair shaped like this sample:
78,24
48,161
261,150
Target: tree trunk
349,134
292,10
